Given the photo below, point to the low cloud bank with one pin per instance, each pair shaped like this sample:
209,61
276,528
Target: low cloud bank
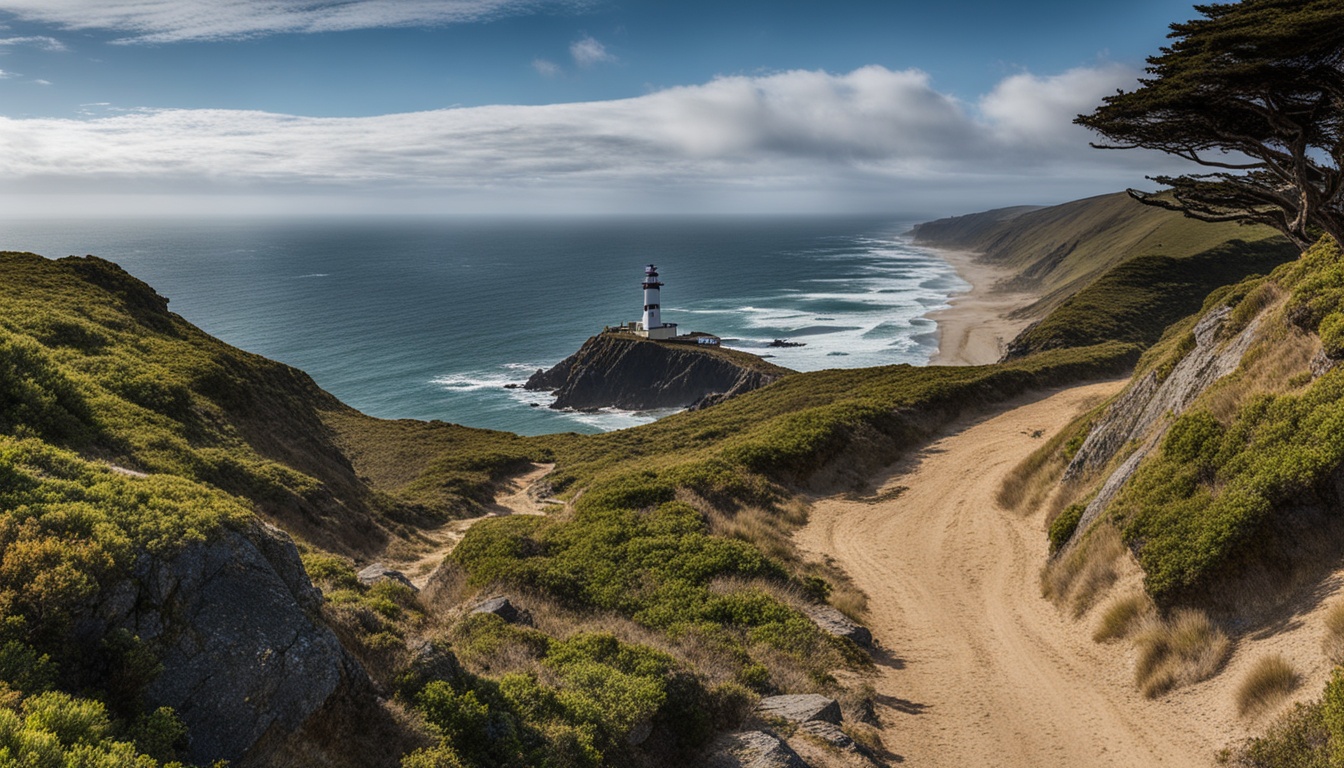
795,138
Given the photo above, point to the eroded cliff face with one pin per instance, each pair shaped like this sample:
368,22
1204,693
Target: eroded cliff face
624,371
234,624
1143,412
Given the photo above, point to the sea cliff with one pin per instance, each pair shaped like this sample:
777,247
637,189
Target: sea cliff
620,370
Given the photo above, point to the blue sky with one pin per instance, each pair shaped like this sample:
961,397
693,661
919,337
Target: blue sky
561,106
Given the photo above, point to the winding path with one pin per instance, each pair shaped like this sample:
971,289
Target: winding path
442,540
977,669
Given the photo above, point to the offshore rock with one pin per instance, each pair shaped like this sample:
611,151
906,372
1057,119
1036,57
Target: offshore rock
619,370
233,623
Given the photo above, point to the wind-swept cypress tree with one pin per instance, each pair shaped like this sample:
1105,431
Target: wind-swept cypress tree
1255,91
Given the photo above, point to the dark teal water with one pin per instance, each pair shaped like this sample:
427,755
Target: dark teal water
428,319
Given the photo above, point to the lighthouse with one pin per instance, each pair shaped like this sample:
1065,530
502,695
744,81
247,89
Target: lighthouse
653,325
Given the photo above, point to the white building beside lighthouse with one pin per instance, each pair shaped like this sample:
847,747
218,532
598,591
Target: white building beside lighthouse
652,326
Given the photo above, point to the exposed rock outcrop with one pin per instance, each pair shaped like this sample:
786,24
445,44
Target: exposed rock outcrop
801,708
504,609
832,621
377,572
232,621
1148,406
625,371
753,749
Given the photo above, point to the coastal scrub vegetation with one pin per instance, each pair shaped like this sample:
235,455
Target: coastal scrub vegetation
667,589
126,432
1216,487
1307,736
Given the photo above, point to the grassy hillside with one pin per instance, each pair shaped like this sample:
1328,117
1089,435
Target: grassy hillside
670,595
667,596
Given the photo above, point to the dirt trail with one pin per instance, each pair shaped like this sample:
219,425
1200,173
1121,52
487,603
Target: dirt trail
978,669
516,502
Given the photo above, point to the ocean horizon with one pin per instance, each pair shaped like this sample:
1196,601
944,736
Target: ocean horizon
430,318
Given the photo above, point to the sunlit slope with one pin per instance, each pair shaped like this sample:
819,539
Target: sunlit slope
1108,267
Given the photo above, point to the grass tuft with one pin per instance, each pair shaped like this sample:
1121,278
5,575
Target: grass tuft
1184,650
1123,616
1333,642
1269,681
1081,576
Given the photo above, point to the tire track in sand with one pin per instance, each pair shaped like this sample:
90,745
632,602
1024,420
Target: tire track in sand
977,669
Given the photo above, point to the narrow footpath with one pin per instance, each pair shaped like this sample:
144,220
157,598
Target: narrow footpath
517,501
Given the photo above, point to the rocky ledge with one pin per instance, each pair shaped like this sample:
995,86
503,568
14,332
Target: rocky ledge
613,370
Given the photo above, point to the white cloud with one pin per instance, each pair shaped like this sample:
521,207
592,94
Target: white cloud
6,75
546,68
589,52
1035,109
37,41
800,138
157,21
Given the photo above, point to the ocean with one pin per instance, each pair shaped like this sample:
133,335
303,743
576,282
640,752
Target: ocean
430,318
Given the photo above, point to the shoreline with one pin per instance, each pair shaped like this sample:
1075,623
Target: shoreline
975,329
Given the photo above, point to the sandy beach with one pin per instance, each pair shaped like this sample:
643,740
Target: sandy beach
976,329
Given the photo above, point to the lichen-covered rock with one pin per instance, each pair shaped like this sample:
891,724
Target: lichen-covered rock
832,621
377,572
504,609
625,371
752,749
232,622
800,708
829,733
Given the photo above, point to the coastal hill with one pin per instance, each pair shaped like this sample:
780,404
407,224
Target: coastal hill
422,593
1104,268
622,370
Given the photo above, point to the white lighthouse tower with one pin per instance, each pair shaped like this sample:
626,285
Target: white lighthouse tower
653,326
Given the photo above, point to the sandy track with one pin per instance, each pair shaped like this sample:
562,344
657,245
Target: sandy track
977,668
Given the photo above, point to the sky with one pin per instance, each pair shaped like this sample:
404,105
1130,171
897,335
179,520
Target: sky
116,107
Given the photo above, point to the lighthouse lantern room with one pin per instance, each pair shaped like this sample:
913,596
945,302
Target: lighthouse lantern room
653,326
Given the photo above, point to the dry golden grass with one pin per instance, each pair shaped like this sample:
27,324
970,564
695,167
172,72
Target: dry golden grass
1086,571
1027,484
771,532
768,530
1333,642
1123,616
1183,650
1274,364
1270,680
849,600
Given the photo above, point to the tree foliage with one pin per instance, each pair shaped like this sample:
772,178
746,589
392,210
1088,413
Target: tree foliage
1253,91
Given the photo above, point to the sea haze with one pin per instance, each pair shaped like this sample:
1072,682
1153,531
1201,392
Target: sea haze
429,319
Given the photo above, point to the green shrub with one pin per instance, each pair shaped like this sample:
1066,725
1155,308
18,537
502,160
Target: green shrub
1331,331
1063,526
1210,492
1298,739
1332,715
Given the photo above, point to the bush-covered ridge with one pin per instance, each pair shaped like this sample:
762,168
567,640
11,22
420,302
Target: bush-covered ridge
1222,482
1109,268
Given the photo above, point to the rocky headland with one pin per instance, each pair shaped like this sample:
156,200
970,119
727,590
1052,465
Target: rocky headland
619,370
